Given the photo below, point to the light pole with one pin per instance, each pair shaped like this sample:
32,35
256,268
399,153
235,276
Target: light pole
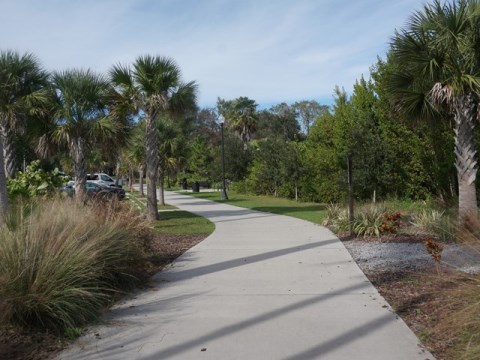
224,188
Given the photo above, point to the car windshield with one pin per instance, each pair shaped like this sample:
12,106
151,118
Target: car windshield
106,178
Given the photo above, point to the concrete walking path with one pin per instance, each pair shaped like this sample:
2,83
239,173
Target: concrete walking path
262,286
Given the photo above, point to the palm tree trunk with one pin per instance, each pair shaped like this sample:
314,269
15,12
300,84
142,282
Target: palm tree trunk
131,179
161,181
152,159
6,133
3,186
465,155
140,174
78,154
117,171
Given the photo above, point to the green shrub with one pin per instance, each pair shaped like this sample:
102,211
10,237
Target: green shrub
240,187
60,262
35,182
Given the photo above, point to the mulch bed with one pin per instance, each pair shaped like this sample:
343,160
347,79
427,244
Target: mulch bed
418,296
386,238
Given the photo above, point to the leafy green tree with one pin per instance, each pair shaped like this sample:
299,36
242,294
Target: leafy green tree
437,62
276,168
153,85
308,111
278,121
417,156
324,158
22,82
366,149
80,117
266,175
205,125
237,159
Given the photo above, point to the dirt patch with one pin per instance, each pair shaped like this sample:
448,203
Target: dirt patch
419,298
30,344
163,249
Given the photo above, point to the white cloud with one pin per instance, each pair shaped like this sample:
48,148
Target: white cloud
271,51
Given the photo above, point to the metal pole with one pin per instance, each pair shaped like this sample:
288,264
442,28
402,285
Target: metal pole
350,194
224,188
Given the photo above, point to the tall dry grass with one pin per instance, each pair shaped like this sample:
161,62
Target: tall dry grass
60,262
462,300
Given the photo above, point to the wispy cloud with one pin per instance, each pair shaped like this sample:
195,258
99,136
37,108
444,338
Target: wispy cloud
271,51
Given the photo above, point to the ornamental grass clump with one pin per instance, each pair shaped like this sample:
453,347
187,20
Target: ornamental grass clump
434,223
370,220
60,262
336,218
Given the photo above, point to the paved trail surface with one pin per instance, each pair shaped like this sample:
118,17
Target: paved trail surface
262,286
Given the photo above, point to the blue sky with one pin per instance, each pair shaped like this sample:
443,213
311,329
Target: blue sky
269,50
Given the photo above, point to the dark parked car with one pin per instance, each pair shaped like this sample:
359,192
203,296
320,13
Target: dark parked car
96,190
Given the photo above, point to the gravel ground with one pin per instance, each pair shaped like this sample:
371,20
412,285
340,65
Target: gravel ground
409,256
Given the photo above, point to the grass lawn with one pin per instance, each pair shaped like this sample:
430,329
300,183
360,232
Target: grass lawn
174,221
180,222
306,211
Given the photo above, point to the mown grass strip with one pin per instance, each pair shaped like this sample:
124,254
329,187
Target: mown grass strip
181,222
174,221
312,212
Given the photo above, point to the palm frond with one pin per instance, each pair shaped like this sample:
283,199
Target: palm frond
436,56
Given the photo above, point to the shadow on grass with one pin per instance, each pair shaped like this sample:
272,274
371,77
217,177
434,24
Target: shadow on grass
283,210
175,215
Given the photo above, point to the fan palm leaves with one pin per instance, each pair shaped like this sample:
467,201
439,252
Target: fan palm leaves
241,116
437,61
22,90
81,98
170,149
153,86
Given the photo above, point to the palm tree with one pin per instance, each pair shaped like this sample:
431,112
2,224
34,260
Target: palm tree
169,152
241,116
81,99
22,83
437,60
153,86
136,153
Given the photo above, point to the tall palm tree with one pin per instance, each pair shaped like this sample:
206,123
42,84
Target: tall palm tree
81,98
170,147
153,86
241,116
437,60
136,153
22,83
